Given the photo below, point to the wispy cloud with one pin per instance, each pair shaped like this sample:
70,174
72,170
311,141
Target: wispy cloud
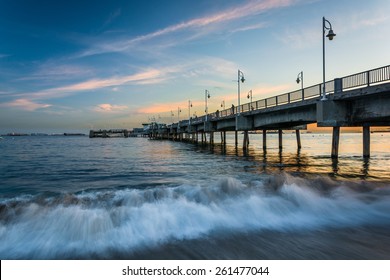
150,76
200,25
113,15
183,69
53,71
25,104
249,27
299,37
110,108
167,107
259,92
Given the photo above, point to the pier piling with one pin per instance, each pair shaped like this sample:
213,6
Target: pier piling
298,139
366,141
280,133
335,141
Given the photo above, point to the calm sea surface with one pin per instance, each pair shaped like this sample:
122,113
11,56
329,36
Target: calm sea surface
135,198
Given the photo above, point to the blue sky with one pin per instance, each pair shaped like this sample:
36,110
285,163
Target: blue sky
75,65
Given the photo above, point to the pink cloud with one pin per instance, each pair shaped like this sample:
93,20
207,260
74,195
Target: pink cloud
26,104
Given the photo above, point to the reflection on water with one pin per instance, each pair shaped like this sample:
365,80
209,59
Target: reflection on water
314,156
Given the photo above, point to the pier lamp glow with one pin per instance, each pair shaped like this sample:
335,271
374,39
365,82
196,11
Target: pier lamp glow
250,96
242,80
206,96
330,35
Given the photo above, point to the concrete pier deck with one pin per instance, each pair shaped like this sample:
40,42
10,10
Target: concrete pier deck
358,100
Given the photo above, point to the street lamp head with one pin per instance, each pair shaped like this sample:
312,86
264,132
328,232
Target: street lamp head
331,34
208,95
298,80
242,79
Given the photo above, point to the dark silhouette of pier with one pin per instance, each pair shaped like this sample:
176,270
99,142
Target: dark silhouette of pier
108,133
358,100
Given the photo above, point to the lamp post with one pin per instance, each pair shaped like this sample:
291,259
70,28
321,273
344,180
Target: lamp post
223,104
189,108
250,96
178,114
330,35
172,114
242,79
300,80
206,96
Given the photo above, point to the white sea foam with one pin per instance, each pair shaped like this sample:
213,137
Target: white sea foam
95,223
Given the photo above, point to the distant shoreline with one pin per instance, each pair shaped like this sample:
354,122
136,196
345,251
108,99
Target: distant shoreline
43,134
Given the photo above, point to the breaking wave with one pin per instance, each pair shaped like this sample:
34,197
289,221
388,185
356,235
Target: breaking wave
98,223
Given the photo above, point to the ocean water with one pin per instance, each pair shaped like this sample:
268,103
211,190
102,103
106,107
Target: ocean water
135,198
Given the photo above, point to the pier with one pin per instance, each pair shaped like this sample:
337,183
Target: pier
358,100
108,133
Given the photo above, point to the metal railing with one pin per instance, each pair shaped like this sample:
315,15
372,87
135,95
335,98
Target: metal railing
363,79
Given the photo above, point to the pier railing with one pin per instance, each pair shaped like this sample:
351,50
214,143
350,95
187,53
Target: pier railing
363,79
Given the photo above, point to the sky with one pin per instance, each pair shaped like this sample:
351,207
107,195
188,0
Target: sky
76,65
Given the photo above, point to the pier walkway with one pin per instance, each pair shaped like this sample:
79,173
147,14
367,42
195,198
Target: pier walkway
358,100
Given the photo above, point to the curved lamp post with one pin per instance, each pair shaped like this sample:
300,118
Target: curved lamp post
189,111
223,104
330,35
300,80
239,79
250,96
206,96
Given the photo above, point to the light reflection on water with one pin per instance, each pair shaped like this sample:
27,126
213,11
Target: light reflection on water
314,156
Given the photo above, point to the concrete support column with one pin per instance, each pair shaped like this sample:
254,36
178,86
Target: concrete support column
264,139
366,141
280,133
236,138
211,138
335,141
298,139
222,139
